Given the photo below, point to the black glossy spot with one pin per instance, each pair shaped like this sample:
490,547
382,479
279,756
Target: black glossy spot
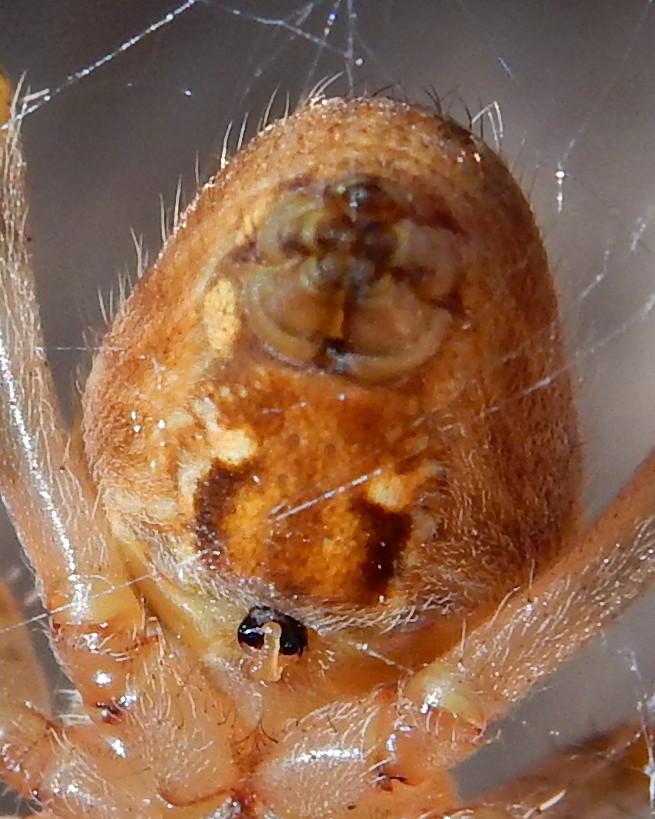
293,638
250,633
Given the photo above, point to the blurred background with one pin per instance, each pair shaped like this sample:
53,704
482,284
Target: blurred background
126,98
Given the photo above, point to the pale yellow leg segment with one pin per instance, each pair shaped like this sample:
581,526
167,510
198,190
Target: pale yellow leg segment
128,762
380,756
23,687
541,627
43,478
145,705
536,631
438,716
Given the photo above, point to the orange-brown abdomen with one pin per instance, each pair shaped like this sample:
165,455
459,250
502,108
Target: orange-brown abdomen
340,392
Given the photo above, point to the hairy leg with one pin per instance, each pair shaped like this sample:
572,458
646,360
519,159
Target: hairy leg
541,627
606,778
437,717
43,479
143,703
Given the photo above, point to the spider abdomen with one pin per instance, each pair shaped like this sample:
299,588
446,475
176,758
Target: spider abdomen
336,414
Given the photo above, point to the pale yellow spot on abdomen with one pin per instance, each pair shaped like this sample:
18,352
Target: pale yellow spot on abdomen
221,318
395,492
233,446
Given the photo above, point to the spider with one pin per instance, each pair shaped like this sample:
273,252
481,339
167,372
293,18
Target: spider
319,526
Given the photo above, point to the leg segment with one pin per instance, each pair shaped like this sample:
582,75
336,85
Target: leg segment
394,748
607,778
144,704
43,479
541,627
127,763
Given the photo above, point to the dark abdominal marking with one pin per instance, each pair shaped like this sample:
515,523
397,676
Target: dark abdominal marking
387,534
213,502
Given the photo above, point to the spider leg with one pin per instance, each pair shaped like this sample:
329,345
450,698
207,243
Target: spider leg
128,760
606,778
21,670
34,746
437,717
22,683
535,631
542,626
43,479
143,703
128,765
